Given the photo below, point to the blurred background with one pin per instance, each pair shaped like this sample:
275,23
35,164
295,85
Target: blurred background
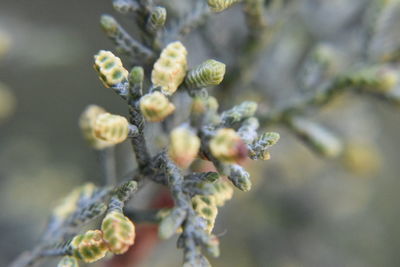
303,210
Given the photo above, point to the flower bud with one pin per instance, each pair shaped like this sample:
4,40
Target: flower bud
170,223
239,113
136,76
87,122
111,128
109,25
157,18
110,68
89,246
208,73
239,177
222,192
170,69
68,261
184,146
220,5
227,146
258,149
206,208
118,232
156,107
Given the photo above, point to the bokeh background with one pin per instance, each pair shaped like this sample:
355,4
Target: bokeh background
304,210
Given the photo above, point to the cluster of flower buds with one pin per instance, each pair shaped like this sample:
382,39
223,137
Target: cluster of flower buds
170,69
118,232
110,68
184,146
227,146
229,138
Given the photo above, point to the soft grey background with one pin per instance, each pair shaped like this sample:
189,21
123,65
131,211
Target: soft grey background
302,211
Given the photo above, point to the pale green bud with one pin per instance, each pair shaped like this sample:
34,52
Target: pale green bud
157,18
208,73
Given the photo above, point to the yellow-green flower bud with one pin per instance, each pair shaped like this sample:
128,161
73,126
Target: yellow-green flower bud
110,68
136,76
223,192
157,18
68,261
118,232
170,69
109,24
156,107
239,177
258,149
184,146
208,73
198,106
89,246
201,106
227,146
87,122
111,128
206,208
212,104
220,5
